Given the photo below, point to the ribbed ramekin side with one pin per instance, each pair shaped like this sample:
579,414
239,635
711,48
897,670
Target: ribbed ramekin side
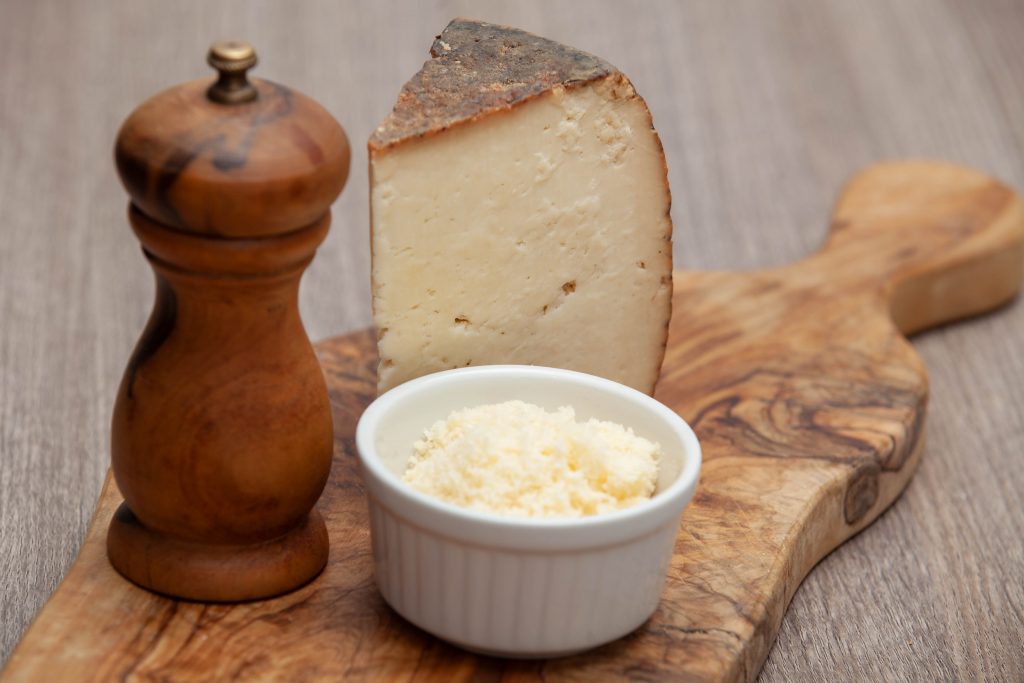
513,601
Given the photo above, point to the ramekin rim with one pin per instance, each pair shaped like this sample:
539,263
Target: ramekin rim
661,502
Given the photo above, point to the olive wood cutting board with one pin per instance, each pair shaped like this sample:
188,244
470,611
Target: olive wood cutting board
808,401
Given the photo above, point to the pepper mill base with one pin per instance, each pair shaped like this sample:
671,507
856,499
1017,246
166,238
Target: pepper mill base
209,573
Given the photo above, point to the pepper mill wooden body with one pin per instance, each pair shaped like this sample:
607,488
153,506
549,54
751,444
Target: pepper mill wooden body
222,437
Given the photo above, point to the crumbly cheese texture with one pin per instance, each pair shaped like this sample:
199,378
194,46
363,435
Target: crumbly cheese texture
517,459
537,235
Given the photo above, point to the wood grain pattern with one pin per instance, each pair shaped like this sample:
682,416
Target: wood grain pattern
764,109
221,436
809,404
244,170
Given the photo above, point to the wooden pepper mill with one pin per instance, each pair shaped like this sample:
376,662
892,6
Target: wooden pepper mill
222,434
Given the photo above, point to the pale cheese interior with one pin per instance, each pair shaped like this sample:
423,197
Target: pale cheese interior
539,236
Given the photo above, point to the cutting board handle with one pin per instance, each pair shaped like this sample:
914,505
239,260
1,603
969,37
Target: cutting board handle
941,241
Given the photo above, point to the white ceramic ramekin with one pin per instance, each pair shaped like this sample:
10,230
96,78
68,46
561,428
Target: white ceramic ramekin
510,586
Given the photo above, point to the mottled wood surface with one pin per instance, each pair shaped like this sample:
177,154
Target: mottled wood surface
808,402
221,437
764,109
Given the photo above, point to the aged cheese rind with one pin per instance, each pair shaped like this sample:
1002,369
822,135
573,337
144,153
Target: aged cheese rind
476,69
525,221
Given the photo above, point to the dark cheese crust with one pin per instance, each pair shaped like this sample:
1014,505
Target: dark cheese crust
477,69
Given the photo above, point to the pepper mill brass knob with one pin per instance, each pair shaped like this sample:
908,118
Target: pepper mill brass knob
232,59
222,435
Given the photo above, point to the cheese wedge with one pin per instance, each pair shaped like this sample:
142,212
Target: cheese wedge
520,214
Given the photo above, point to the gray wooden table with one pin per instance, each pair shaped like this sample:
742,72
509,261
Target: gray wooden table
764,108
